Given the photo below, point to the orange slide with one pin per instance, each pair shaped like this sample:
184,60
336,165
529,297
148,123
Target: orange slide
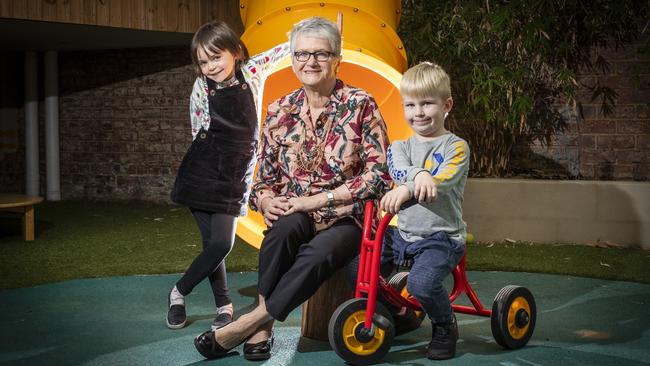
373,59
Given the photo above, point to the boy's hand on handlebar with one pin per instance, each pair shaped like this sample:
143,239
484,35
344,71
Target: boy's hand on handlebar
425,187
393,200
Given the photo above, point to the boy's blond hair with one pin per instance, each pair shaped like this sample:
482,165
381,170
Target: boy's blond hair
426,80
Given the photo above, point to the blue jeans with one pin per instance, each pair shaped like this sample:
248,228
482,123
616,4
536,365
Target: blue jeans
431,260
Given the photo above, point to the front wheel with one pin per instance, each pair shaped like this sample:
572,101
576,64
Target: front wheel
352,341
513,317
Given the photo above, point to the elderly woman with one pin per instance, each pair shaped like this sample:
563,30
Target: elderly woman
322,155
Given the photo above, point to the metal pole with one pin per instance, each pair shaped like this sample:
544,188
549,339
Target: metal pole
31,124
52,126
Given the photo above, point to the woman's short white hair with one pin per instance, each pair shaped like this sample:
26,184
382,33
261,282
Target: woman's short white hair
316,27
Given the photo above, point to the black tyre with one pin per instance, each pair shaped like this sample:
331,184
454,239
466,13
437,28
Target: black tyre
348,338
513,317
398,282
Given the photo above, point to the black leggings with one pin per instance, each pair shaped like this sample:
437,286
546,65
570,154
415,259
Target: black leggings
218,235
295,261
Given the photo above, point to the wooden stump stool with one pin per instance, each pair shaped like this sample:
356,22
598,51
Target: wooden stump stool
316,311
24,205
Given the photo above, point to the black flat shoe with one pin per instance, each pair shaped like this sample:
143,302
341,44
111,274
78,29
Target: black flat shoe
259,351
208,346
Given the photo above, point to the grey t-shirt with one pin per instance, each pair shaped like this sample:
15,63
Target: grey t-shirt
446,158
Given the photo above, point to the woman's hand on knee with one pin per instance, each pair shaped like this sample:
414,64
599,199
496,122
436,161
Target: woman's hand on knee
304,204
273,208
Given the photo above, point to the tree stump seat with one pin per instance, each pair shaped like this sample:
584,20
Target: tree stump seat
316,311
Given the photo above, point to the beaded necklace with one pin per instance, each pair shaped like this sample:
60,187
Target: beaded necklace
308,159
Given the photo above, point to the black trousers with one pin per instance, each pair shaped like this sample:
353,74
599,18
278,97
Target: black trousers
218,236
295,261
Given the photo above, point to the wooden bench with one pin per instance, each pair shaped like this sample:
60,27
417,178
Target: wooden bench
24,205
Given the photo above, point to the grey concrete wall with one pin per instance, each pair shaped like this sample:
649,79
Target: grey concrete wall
544,211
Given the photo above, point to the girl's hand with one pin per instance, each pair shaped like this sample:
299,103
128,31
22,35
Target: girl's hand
425,187
393,200
273,208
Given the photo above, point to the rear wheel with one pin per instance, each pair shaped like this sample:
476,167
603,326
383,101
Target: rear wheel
398,280
352,341
513,317
410,320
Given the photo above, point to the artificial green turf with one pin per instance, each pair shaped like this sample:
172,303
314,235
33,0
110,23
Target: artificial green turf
80,239
623,264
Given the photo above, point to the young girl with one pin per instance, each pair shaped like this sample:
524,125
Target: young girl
214,177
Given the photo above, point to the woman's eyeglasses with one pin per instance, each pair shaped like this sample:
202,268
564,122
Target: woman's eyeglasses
302,56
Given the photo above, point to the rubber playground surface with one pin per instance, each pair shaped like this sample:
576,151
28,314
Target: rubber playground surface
120,321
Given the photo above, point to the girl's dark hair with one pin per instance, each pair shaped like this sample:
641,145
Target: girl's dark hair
215,36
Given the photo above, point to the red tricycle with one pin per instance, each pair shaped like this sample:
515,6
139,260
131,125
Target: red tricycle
361,329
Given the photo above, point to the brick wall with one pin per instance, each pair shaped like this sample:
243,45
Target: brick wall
12,156
124,122
12,168
124,127
595,146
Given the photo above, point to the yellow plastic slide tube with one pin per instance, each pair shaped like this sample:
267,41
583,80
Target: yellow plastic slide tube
373,59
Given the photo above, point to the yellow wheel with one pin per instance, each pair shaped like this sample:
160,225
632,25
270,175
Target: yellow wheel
513,317
352,341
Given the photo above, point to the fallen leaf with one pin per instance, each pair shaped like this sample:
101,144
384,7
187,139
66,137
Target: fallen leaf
593,334
614,245
604,264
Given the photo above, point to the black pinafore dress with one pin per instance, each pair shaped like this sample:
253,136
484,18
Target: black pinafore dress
216,172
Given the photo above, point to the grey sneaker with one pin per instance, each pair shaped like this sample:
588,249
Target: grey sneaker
176,317
443,341
221,321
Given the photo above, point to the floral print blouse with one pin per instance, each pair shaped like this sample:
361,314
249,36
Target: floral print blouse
255,71
353,164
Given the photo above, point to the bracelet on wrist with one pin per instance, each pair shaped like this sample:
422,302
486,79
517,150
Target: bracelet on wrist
330,198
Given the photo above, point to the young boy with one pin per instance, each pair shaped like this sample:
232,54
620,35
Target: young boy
431,167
